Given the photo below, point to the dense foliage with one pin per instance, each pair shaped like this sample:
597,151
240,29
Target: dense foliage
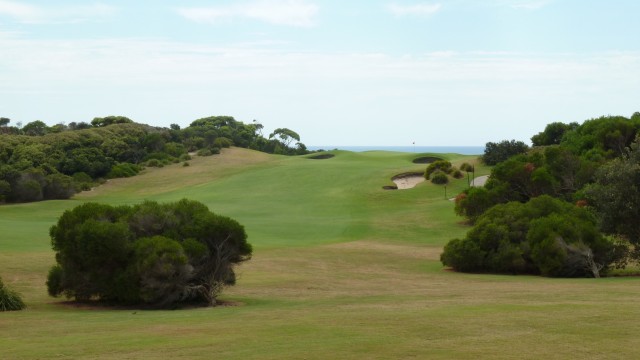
497,152
155,254
38,162
9,299
594,165
543,236
440,170
615,196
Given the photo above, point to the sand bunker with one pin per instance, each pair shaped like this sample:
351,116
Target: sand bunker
321,157
426,160
480,181
407,181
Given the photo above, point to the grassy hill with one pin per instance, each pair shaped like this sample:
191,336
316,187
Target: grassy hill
341,269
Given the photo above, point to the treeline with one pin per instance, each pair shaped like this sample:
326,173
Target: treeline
568,206
39,162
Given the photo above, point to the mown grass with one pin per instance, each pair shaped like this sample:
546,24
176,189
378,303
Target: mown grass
341,269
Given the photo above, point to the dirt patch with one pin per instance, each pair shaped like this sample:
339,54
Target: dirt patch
321,157
426,159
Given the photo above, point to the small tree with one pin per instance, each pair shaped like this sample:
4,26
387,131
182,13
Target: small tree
285,135
468,168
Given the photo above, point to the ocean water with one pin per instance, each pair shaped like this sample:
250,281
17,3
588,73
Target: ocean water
464,150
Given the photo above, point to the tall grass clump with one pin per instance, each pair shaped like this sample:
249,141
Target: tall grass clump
9,299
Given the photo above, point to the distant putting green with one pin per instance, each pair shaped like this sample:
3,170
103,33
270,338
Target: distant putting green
342,269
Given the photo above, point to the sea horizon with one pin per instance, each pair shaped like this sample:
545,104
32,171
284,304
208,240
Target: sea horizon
463,150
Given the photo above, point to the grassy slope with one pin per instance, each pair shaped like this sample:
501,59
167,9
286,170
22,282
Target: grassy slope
341,269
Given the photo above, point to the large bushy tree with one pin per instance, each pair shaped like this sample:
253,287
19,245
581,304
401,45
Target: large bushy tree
543,236
156,254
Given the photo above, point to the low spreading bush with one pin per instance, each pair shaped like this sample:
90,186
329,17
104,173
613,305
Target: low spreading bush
204,152
154,163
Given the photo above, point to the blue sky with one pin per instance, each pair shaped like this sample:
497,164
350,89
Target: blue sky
376,72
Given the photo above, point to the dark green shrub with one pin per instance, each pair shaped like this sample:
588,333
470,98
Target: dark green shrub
439,178
466,167
440,165
124,170
463,255
5,189
185,157
204,152
55,281
82,177
457,174
82,181
156,254
9,299
222,142
495,153
185,164
175,149
158,156
28,190
474,201
544,236
59,186
154,163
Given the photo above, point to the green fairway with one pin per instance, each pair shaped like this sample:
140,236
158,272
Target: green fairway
341,269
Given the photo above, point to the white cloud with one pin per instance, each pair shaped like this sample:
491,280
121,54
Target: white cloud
160,82
300,13
525,4
18,10
31,14
422,9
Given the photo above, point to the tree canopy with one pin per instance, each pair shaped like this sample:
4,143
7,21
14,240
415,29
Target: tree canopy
501,151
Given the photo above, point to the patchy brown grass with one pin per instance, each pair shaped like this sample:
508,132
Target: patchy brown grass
203,169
